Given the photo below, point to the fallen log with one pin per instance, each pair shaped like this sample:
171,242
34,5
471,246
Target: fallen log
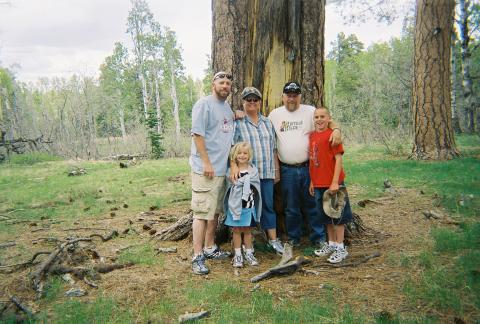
176,231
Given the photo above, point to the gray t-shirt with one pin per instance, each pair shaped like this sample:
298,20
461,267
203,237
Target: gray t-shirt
212,119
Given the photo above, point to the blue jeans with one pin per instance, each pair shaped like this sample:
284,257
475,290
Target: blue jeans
297,200
269,218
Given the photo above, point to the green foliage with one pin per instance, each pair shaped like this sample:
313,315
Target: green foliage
32,158
53,289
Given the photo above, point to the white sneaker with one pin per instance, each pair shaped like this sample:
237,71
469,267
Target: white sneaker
325,250
277,246
237,261
251,259
338,256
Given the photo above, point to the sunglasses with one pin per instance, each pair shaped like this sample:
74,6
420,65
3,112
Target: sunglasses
252,100
223,75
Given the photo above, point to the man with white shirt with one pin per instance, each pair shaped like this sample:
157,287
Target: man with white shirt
292,123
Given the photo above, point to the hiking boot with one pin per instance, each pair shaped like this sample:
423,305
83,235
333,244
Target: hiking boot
251,259
237,261
217,254
325,250
198,265
339,255
276,245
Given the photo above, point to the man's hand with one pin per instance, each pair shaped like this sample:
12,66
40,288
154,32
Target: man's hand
277,176
234,172
239,114
310,189
208,169
335,137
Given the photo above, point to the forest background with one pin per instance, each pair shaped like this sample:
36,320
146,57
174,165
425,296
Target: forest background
141,102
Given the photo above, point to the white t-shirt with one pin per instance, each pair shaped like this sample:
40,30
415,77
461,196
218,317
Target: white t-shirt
292,130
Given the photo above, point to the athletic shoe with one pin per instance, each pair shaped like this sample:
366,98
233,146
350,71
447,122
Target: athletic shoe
276,245
237,261
325,250
338,256
198,265
251,259
217,254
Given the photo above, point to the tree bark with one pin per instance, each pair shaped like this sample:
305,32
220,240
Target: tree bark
267,43
455,117
434,136
157,105
173,93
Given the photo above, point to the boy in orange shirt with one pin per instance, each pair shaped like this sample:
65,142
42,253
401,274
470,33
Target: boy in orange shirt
326,173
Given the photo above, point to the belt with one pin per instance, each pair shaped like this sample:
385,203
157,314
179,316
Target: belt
295,165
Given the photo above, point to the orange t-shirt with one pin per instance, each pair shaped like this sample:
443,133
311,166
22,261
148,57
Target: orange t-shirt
322,159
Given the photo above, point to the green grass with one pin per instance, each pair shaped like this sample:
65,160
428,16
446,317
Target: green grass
32,158
447,278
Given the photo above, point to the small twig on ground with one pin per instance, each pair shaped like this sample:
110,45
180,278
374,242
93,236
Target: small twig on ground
85,228
112,234
167,250
193,316
48,239
7,244
90,283
357,262
20,306
284,269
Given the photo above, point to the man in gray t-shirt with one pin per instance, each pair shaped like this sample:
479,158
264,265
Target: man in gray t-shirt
212,136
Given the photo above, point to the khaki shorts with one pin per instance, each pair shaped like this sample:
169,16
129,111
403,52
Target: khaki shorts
207,196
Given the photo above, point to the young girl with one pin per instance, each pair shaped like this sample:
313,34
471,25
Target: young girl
243,204
326,173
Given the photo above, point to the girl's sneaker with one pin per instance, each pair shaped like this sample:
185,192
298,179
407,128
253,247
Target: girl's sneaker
339,255
277,246
325,250
251,259
237,261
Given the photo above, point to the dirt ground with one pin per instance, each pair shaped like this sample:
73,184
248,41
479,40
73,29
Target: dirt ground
395,227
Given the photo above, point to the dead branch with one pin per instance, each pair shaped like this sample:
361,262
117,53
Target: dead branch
193,316
38,274
7,244
112,234
20,306
110,267
85,228
357,262
48,239
176,231
284,269
90,283
22,265
167,250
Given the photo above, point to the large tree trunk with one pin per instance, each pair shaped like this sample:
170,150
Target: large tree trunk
434,136
455,115
267,43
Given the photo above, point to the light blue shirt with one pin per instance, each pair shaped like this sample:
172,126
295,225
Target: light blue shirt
212,119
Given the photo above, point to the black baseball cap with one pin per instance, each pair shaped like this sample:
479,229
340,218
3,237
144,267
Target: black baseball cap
292,87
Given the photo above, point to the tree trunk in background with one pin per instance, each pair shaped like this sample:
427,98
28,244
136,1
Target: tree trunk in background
267,43
173,92
455,116
157,105
434,137
467,82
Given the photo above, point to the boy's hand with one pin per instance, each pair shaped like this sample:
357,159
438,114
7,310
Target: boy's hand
311,190
333,187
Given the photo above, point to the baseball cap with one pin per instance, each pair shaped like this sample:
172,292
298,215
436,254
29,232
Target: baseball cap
292,87
248,91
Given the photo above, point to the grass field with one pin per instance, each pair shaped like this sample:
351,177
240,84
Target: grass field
445,275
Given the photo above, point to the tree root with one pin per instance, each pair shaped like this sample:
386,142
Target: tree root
176,231
18,266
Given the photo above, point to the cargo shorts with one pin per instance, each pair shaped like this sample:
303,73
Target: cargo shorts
207,196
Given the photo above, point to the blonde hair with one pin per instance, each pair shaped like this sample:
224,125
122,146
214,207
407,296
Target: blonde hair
237,147
326,109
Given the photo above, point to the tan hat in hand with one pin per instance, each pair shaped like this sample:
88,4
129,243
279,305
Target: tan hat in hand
333,204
